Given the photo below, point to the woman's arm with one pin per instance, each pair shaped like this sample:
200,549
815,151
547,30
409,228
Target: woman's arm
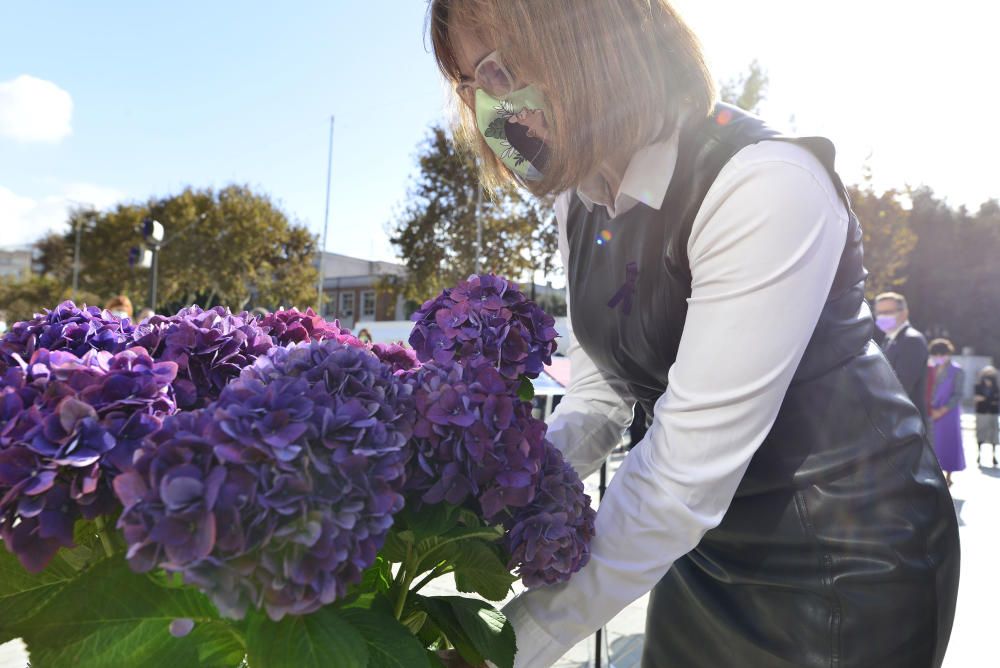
957,392
764,250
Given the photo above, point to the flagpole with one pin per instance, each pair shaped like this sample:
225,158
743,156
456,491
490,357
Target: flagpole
326,224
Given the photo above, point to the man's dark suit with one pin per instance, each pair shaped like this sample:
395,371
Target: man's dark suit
907,353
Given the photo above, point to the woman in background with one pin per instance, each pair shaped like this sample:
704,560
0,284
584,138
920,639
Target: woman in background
944,396
987,410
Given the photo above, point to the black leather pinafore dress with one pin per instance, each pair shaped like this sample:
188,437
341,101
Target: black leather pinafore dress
840,548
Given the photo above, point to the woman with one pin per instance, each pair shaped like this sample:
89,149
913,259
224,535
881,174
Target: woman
784,506
987,412
944,396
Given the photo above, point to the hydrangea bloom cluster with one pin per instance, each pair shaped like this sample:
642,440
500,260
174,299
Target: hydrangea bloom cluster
211,347
485,320
473,438
293,326
396,355
281,493
550,539
77,329
68,424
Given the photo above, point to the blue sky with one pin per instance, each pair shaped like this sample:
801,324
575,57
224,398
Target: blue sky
169,94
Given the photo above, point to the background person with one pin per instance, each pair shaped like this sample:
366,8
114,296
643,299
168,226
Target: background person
727,298
987,396
944,399
120,306
904,346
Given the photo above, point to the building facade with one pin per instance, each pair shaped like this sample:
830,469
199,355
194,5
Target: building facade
15,262
357,290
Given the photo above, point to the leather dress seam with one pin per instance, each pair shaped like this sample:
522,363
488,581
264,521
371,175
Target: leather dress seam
826,567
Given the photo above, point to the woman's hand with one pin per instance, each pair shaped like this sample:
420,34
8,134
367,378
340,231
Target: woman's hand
938,413
452,659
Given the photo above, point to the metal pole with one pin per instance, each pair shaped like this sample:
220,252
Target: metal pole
600,495
153,278
479,225
76,259
326,220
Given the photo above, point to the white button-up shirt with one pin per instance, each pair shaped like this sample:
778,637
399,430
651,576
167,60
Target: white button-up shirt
763,251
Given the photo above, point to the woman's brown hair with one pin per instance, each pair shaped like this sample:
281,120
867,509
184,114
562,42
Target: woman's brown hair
617,74
941,347
120,303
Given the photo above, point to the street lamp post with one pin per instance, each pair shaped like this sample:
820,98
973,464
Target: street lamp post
152,230
76,258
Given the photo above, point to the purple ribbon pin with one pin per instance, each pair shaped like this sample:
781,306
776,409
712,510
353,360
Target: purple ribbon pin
627,290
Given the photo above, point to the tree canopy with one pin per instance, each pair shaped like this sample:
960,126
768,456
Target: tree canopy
436,232
746,91
231,246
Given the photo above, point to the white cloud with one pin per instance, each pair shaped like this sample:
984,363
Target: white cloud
34,110
24,220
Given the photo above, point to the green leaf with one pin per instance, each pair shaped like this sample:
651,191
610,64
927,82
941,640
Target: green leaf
525,391
110,616
478,570
394,548
390,644
444,619
495,130
429,521
377,579
476,629
429,550
320,640
23,594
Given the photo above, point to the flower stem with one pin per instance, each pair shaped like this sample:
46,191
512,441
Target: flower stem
408,571
105,540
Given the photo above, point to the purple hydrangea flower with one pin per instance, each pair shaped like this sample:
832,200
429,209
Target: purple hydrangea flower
68,425
485,320
396,355
550,539
473,438
279,494
293,326
77,329
210,348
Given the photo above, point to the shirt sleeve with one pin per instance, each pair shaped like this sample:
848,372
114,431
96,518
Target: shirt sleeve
764,249
593,414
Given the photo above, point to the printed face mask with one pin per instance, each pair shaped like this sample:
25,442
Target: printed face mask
511,127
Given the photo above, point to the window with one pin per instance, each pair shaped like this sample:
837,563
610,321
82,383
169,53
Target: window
346,309
368,304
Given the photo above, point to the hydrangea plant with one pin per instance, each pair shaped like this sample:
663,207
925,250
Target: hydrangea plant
77,329
68,425
282,491
210,347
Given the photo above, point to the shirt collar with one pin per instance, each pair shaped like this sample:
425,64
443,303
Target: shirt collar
646,178
892,337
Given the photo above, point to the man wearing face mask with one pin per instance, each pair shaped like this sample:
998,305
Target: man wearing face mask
903,345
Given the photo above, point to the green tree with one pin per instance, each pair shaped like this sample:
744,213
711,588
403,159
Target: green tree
746,91
21,298
888,236
232,247
436,233
953,272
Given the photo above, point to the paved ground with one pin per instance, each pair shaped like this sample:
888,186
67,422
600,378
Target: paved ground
977,501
